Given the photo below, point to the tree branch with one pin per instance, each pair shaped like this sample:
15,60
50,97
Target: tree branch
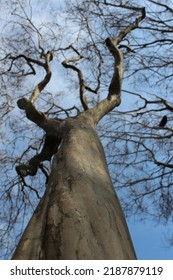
116,82
50,147
50,126
28,59
115,86
113,99
46,65
39,87
66,64
131,27
32,113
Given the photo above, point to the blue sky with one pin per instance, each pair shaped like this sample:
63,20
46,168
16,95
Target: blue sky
150,240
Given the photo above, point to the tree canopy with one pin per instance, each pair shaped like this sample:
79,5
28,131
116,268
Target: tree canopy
138,148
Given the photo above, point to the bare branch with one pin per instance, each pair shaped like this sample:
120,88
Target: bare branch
50,126
31,112
116,82
113,99
28,59
30,187
131,27
66,64
133,8
50,147
162,5
39,87
52,139
46,65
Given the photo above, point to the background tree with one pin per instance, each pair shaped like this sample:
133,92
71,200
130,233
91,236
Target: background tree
133,139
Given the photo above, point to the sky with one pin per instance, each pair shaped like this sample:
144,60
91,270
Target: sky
151,240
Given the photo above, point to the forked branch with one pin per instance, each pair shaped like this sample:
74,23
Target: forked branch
115,86
114,94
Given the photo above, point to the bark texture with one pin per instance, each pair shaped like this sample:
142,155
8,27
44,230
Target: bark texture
79,216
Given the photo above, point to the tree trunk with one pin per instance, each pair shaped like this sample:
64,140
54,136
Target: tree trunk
79,216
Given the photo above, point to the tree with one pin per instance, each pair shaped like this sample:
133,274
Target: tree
79,216
32,47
